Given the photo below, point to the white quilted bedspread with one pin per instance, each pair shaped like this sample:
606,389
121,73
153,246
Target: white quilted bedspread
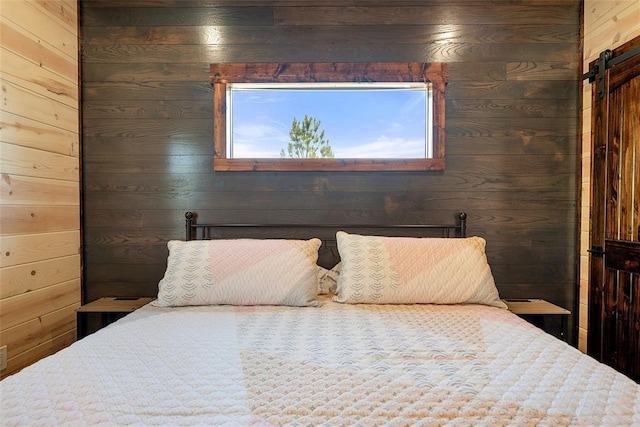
329,365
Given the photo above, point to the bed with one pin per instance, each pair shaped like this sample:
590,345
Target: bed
404,330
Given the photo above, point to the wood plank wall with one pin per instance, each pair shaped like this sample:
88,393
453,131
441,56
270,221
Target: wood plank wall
607,25
40,187
512,128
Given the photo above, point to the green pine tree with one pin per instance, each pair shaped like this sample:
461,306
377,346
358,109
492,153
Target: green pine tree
307,140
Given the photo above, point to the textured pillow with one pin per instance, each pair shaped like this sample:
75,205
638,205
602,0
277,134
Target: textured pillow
328,279
406,270
240,272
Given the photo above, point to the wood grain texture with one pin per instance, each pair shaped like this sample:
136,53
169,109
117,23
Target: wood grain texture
541,70
622,234
27,132
441,13
16,39
28,277
328,34
315,72
34,78
607,25
61,36
27,190
40,155
36,332
18,219
22,102
434,52
19,309
46,348
511,129
17,160
614,308
177,15
523,224
25,248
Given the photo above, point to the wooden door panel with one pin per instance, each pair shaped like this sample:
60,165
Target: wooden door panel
624,161
609,339
622,242
634,338
623,256
614,297
625,72
597,317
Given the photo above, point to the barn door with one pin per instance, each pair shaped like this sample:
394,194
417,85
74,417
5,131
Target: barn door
614,276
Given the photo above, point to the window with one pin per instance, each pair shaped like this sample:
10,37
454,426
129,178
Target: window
355,120
367,116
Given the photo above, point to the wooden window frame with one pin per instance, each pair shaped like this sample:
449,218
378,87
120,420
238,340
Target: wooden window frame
297,72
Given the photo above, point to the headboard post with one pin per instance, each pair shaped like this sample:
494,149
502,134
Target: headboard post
189,223
463,224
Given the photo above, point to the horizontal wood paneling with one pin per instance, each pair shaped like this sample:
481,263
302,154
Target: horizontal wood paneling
329,34
503,108
19,309
179,109
64,11
36,332
512,221
381,182
23,102
542,89
436,52
21,190
17,160
159,72
62,36
22,248
40,179
442,13
18,219
28,277
511,128
17,39
309,201
47,348
541,70
608,25
177,16
26,132
36,79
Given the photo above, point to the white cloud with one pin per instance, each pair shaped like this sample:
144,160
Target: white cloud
259,140
384,147
260,130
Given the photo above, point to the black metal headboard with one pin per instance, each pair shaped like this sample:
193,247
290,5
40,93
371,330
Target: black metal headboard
328,255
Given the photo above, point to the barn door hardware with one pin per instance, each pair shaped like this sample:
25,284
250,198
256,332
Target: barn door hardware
605,61
597,251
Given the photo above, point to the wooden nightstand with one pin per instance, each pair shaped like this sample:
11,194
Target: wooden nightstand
536,310
110,310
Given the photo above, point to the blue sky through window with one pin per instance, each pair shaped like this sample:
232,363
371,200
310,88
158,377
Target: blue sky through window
359,123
